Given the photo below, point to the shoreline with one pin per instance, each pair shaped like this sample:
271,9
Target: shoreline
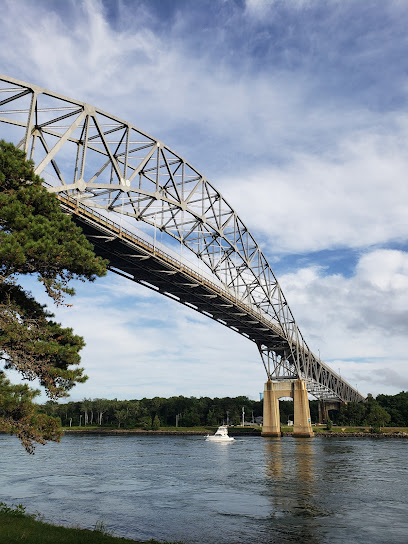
324,434
328,434
254,433
157,433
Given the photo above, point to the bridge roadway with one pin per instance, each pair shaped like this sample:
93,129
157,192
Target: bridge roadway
137,259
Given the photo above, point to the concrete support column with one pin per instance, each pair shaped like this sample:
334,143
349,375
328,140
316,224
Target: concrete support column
302,425
325,406
271,417
323,412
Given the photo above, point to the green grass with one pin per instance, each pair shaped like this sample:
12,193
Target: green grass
238,429
339,429
17,527
201,429
367,429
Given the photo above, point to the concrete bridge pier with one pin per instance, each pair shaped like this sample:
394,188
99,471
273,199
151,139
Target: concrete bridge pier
325,406
271,419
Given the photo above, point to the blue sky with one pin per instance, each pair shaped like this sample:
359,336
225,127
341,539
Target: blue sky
296,111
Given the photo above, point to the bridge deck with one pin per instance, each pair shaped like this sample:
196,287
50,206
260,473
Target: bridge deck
140,261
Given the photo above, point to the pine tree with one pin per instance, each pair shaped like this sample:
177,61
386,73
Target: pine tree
156,423
37,239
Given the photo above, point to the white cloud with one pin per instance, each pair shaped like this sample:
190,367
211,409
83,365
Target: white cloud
78,54
138,346
146,346
355,198
260,9
358,324
157,82
385,270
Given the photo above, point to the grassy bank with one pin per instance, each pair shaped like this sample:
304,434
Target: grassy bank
95,429
352,430
233,431
17,527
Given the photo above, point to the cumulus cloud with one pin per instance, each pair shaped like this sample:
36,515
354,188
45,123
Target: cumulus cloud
145,345
138,345
223,100
384,376
354,198
357,323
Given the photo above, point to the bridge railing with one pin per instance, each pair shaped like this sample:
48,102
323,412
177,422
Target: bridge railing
75,206
118,230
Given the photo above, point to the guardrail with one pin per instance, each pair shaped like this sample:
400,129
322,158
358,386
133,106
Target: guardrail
80,209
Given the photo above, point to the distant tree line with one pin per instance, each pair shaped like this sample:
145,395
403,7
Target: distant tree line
156,412
384,410
182,411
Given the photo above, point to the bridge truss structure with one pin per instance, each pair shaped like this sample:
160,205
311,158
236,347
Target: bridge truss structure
103,168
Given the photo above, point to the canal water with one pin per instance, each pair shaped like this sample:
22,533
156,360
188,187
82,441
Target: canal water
254,490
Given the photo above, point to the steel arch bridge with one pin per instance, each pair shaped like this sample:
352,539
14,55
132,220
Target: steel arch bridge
94,161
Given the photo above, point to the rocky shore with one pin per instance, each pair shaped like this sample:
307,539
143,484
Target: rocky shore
329,434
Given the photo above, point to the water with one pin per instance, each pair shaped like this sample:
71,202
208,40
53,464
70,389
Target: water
255,490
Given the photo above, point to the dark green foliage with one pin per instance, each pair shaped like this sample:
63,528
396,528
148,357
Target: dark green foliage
18,415
14,510
377,417
385,410
396,406
156,423
145,413
36,239
204,411
36,346
352,414
286,411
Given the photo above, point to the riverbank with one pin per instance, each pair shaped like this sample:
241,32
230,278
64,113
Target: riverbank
16,527
328,434
164,431
365,432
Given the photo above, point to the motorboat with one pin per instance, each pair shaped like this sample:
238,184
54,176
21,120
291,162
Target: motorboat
220,436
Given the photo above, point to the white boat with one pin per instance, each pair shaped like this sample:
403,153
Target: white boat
220,436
